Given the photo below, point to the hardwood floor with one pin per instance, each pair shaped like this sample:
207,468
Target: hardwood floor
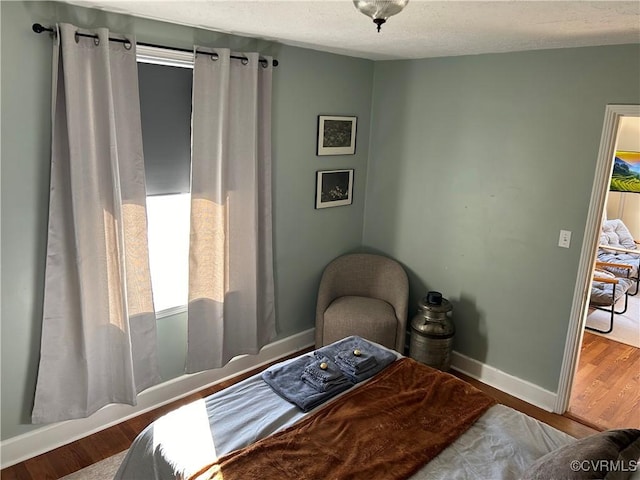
84,452
606,388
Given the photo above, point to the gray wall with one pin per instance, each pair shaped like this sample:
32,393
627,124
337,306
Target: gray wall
307,83
475,165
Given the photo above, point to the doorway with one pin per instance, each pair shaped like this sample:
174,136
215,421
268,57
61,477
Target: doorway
575,335
605,392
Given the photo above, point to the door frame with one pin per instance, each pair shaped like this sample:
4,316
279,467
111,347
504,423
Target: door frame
582,290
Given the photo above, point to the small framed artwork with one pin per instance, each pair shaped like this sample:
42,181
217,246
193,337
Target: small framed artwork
336,135
334,188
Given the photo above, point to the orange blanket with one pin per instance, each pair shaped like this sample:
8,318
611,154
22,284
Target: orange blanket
385,429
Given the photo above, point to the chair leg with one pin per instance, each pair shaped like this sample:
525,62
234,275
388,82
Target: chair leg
610,321
612,310
626,304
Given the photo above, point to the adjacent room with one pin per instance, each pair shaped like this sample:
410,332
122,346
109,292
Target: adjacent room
186,185
611,341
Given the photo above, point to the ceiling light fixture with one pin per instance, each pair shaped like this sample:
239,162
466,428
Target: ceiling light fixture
380,10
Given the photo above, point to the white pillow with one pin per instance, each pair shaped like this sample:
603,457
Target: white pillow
616,234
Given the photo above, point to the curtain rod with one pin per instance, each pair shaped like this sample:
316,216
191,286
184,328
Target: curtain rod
38,28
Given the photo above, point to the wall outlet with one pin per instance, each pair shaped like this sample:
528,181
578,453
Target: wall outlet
565,239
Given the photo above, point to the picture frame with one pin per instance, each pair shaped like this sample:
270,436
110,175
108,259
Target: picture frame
336,135
626,172
334,188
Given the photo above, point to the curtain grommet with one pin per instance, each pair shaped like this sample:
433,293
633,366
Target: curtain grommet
245,61
96,41
77,37
127,44
214,57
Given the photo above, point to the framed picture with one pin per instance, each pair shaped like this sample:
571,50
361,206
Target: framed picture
336,135
334,188
626,172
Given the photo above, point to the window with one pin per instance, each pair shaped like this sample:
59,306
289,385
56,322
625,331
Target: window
165,105
168,218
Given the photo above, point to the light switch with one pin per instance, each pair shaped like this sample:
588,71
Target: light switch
565,239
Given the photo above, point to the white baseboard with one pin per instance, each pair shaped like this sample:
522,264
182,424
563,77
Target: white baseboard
36,442
515,386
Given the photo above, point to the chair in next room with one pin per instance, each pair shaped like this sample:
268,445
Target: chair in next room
618,248
607,289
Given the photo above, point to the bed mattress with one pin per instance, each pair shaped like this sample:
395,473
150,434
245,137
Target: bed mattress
500,444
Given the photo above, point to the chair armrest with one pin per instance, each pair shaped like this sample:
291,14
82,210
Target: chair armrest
605,279
615,265
619,249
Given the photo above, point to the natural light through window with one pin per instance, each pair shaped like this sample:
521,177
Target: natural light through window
165,79
168,218
169,433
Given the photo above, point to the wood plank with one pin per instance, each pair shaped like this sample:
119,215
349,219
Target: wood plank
606,389
17,472
40,467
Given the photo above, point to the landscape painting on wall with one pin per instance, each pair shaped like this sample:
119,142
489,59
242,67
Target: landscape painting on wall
626,172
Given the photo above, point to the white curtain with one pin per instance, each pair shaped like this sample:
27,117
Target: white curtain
231,294
98,333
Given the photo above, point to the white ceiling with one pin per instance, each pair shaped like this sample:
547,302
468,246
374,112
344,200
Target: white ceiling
424,29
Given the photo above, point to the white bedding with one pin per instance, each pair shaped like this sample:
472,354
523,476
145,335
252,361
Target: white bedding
500,445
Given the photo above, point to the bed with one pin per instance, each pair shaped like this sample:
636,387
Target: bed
249,421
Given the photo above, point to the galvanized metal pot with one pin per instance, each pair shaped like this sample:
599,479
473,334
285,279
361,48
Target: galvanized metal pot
432,332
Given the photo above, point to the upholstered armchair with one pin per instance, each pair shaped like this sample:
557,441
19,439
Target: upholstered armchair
366,295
